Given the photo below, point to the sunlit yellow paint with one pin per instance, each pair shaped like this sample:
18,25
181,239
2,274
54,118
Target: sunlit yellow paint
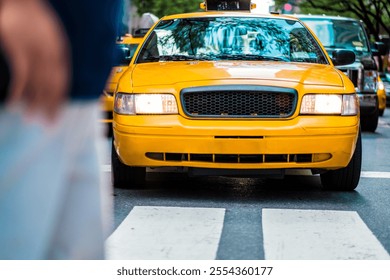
381,92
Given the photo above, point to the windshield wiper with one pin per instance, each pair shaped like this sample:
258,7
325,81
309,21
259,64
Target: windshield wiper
179,57
250,57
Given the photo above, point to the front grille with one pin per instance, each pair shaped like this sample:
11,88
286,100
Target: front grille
233,158
239,102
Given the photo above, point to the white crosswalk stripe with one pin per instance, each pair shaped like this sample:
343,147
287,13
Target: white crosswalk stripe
373,174
167,233
383,123
291,234
184,233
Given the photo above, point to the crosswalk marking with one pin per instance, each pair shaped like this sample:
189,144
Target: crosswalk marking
383,123
364,174
184,233
373,174
166,233
291,234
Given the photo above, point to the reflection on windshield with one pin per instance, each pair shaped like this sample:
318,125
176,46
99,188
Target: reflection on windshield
339,34
226,38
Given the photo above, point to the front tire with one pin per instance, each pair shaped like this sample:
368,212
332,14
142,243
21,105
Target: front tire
370,123
124,176
347,178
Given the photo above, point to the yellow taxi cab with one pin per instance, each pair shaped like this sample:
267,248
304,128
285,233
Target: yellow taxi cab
227,92
126,45
381,97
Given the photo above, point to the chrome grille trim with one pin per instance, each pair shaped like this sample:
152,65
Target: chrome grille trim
239,101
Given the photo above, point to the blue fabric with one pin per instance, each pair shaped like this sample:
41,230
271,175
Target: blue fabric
52,203
92,26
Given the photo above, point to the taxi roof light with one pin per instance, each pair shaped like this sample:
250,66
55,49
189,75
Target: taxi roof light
227,5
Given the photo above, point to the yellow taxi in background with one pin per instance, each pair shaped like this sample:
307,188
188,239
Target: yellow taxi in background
126,46
227,92
381,91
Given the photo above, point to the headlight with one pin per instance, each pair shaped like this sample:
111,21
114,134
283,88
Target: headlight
133,104
381,85
329,104
370,80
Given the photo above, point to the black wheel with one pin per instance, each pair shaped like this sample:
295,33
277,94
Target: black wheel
347,178
124,176
109,131
370,123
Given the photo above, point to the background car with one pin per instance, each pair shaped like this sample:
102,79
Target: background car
125,48
348,33
386,83
381,96
230,93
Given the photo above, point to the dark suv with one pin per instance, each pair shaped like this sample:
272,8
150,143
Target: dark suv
348,33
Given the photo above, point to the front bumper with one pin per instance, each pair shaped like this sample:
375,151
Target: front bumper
323,142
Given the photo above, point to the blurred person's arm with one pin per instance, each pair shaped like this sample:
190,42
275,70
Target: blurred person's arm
36,48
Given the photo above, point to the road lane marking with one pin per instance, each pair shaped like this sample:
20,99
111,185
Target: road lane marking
374,174
291,234
364,174
167,233
383,123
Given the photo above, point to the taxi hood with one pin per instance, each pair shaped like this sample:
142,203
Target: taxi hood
170,73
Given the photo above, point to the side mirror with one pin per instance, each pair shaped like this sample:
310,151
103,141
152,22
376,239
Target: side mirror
343,57
122,56
379,49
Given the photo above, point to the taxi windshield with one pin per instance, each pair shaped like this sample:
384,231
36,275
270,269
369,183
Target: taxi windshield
231,38
343,34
